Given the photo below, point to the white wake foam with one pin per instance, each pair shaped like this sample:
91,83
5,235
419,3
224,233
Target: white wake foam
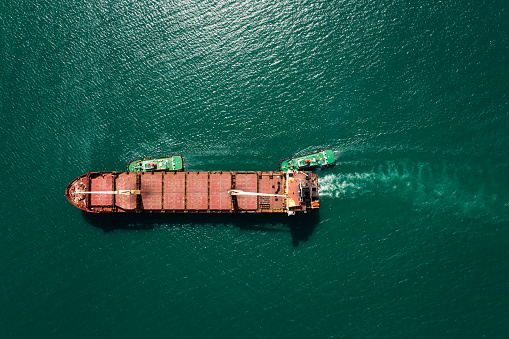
458,189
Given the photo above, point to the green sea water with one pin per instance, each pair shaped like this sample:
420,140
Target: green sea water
412,235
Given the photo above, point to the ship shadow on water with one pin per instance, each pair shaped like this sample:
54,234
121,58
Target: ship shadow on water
299,226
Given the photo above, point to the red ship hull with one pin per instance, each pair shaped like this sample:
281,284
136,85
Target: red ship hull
195,192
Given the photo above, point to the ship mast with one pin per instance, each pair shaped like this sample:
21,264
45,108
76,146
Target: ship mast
239,192
122,192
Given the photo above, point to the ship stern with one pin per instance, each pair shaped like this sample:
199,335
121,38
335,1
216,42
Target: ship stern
302,194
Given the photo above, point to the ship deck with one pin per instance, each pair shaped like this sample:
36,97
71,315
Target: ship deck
184,192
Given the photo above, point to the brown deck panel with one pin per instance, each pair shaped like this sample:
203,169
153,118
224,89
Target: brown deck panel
126,181
151,191
174,191
197,191
102,182
220,184
271,184
247,183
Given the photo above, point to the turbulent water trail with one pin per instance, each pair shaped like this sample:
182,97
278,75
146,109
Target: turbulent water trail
462,189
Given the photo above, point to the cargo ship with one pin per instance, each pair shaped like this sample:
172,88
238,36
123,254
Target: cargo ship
195,192
318,159
161,164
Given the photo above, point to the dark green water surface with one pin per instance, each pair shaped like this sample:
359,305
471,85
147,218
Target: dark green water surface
412,235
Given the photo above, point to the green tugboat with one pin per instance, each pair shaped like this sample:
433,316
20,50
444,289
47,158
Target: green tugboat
165,163
318,159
